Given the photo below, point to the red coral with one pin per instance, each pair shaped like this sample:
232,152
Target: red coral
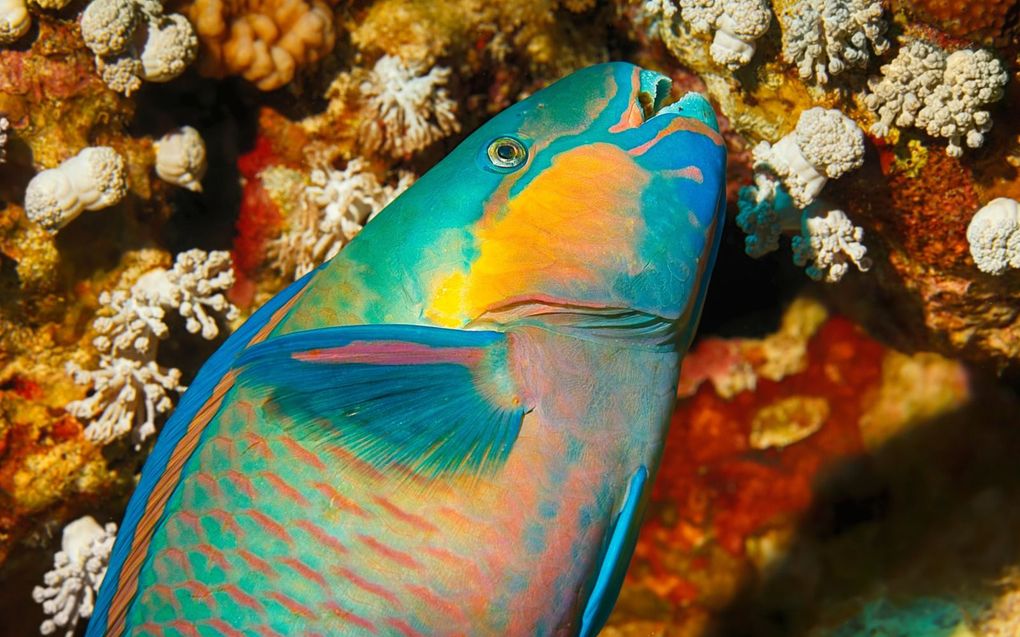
713,487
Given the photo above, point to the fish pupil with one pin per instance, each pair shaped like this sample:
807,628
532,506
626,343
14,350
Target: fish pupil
507,152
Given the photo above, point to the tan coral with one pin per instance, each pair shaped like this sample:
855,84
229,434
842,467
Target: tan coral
264,41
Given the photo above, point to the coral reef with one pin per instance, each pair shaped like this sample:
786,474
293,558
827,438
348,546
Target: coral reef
860,131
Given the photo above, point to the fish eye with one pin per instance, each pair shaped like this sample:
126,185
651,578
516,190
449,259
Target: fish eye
507,153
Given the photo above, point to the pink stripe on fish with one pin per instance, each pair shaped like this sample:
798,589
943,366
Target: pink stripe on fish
283,488
305,571
241,598
321,536
268,524
292,605
403,628
241,482
226,520
391,353
257,563
213,555
691,172
367,586
224,628
399,557
338,500
414,520
350,617
303,454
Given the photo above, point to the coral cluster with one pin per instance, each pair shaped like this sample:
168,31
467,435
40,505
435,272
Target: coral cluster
130,389
938,92
735,25
69,590
263,41
825,37
334,206
133,40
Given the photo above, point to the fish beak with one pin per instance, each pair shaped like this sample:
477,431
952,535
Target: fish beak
653,91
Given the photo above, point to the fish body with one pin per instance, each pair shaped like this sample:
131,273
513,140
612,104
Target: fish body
451,427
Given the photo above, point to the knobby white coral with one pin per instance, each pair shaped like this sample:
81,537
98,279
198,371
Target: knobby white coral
93,179
69,590
825,145
994,236
335,206
111,30
939,93
180,158
829,244
823,37
406,109
735,25
14,20
129,388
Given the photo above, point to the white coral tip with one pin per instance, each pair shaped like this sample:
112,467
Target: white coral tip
994,236
181,159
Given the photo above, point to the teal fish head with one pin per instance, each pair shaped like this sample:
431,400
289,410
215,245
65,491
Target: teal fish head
592,192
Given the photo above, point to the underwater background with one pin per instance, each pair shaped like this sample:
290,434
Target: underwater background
845,455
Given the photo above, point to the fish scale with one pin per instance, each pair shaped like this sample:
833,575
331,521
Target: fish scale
450,428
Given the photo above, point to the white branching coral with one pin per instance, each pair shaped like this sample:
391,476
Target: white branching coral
180,158
14,20
130,390
735,25
406,109
823,37
133,41
94,179
942,94
825,145
994,236
828,245
69,590
335,205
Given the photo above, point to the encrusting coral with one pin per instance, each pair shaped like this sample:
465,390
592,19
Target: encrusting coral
263,41
181,159
994,236
823,38
130,389
938,92
93,179
69,590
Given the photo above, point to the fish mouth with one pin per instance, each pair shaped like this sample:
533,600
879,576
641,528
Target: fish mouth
654,89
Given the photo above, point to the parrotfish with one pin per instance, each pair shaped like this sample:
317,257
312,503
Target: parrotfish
452,427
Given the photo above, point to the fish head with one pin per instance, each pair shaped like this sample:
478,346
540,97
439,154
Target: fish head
590,193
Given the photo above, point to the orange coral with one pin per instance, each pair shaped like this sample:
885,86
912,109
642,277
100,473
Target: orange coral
264,41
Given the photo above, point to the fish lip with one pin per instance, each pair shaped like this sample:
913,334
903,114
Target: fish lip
652,92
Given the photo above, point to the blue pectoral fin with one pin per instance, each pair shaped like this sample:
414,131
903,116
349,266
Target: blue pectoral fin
617,558
433,401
